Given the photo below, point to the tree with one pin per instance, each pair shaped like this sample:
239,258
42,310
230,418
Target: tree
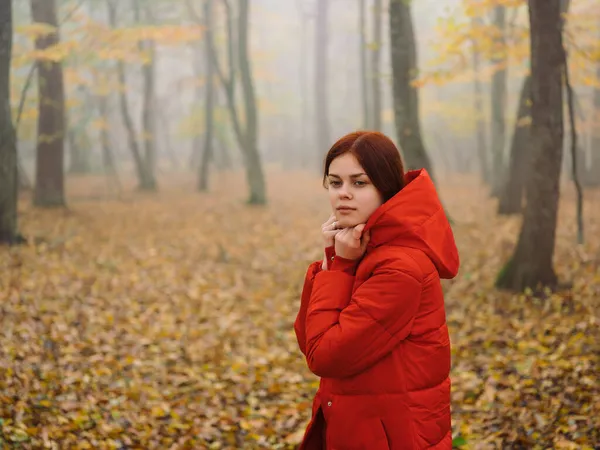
592,174
49,184
77,137
482,150
8,149
531,264
499,83
145,174
511,197
406,96
147,48
254,171
208,100
247,132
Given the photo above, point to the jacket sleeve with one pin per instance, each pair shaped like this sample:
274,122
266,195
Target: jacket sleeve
300,322
347,333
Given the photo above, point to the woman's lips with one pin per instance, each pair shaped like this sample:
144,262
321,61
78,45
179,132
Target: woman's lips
345,210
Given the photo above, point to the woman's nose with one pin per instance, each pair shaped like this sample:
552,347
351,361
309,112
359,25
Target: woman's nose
344,192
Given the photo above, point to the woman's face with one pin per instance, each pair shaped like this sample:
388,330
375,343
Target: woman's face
352,196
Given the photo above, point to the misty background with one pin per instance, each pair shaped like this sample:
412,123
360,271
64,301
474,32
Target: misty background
283,50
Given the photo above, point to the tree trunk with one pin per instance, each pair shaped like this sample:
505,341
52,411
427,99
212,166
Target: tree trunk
77,138
247,136
321,82
144,178
79,152
406,97
196,153
24,181
364,89
161,116
592,174
208,100
254,171
148,109
222,157
108,159
49,184
149,119
499,83
376,63
511,197
482,150
8,149
531,264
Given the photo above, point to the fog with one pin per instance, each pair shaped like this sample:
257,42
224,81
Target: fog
282,45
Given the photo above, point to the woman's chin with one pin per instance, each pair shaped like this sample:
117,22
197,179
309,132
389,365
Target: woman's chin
347,223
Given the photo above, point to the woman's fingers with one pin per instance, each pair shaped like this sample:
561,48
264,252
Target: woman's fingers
329,231
332,226
329,221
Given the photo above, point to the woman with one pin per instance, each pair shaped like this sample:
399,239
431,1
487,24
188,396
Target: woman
372,322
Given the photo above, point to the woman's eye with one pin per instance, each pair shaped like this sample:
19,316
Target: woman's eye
360,183
335,183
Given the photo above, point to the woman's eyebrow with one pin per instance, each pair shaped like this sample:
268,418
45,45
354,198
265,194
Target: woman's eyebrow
355,175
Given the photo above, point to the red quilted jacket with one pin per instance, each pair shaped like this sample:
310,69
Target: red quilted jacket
375,331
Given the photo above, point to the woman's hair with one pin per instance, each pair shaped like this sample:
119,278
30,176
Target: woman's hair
377,155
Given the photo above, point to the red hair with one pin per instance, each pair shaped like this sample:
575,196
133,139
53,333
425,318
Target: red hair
378,156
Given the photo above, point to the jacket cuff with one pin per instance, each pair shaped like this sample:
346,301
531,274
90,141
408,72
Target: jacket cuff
329,254
313,270
344,265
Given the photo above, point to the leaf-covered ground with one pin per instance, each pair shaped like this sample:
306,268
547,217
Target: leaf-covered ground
165,322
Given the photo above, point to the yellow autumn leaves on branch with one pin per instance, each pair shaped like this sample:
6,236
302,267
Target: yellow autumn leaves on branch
471,25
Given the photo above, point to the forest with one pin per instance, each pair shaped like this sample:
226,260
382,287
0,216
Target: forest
161,196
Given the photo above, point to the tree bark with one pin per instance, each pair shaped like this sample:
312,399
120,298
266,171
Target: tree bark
148,108
511,197
531,264
254,171
364,88
321,82
8,150
574,151
49,185
376,64
592,174
499,84
79,155
246,134
108,159
149,117
144,179
207,153
482,150
196,153
78,142
406,97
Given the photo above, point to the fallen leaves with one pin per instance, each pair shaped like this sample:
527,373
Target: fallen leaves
166,322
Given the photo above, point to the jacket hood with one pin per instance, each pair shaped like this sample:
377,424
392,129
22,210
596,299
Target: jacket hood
415,218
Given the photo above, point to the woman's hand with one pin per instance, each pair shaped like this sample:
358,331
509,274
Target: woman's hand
350,243
328,231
